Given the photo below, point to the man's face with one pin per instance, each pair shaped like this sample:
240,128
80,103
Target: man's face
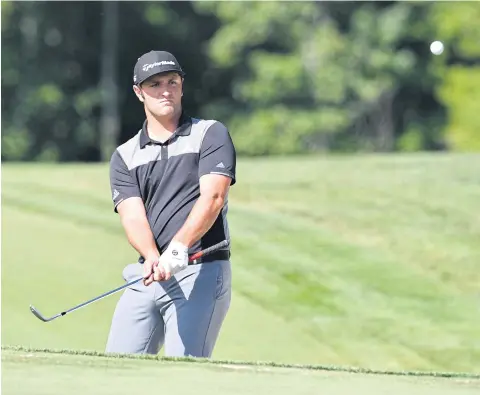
161,93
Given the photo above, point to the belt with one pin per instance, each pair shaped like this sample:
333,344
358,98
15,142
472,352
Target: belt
222,255
214,256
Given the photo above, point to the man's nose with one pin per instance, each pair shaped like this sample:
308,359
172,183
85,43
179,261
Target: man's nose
166,92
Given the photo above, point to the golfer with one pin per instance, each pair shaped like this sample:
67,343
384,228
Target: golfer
170,185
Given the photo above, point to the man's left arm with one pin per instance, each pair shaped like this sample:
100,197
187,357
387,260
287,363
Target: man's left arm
213,192
217,172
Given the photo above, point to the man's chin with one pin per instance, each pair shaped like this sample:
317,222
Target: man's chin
166,111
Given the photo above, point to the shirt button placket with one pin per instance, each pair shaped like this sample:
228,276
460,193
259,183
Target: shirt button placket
164,152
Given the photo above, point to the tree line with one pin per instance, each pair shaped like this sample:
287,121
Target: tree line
285,77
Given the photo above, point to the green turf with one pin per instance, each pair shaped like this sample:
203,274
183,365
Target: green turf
27,372
370,261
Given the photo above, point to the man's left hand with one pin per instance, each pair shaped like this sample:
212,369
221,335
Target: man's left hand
173,260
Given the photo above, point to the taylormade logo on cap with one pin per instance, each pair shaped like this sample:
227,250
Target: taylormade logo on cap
146,67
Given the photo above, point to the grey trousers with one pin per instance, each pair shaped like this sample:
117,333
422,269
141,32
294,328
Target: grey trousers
184,314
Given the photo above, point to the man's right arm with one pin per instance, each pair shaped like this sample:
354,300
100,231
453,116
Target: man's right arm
129,205
134,221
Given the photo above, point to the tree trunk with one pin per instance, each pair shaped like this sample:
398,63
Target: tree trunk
110,121
384,122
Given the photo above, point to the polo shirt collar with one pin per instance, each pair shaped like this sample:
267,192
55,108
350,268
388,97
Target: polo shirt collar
183,129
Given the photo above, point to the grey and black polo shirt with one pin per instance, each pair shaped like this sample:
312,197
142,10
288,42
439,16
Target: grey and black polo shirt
167,176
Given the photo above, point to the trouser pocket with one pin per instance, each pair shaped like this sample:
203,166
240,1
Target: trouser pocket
131,271
223,279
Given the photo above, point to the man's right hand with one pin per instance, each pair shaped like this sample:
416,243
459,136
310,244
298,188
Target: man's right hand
148,269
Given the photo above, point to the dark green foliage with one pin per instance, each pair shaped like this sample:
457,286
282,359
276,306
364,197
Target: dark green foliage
286,77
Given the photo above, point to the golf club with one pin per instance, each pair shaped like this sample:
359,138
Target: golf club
192,259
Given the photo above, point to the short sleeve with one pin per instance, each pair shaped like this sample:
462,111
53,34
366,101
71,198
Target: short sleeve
122,184
217,153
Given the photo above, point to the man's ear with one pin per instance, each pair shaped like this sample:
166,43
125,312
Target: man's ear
139,93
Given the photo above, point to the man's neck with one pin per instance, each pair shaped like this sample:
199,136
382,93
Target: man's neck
161,128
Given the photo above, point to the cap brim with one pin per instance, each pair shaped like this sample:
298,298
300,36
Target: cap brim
181,73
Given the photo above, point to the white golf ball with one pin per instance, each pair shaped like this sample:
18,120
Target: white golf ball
436,47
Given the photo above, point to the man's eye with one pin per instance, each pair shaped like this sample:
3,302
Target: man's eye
154,84
173,82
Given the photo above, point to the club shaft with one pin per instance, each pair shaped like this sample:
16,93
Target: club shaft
102,296
197,255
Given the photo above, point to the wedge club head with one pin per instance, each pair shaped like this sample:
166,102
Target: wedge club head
39,315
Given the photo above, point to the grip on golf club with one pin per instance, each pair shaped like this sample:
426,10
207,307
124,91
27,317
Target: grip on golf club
199,254
208,250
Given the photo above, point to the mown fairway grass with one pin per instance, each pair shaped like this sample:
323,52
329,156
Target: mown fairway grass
370,261
26,372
